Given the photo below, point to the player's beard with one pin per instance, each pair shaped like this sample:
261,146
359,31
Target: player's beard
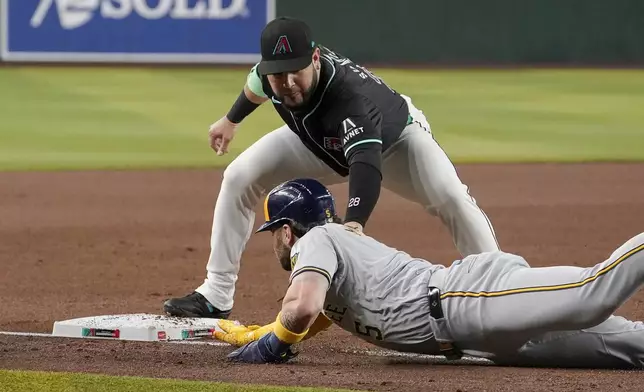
283,253
306,95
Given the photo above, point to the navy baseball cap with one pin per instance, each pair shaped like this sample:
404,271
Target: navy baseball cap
286,46
304,201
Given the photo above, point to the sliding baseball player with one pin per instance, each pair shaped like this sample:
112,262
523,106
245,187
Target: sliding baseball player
491,305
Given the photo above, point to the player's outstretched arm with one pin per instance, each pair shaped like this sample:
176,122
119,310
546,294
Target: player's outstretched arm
221,132
301,307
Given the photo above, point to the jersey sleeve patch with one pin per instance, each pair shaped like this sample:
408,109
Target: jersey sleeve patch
294,261
254,82
358,130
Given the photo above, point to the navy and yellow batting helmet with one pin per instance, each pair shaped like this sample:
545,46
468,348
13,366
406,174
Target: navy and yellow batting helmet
304,203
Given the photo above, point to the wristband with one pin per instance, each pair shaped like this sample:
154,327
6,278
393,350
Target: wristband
241,108
285,335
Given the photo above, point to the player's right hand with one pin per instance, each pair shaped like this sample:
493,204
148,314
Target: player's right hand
221,133
354,227
239,335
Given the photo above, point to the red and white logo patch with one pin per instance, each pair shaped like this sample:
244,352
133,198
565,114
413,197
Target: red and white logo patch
282,46
333,143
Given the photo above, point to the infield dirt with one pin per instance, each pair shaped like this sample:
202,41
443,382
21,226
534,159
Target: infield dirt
86,243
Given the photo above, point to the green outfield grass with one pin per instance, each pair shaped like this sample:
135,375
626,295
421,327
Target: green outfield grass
86,118
25,381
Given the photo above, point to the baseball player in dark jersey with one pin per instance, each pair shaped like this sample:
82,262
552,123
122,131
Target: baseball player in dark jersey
491,305
341,123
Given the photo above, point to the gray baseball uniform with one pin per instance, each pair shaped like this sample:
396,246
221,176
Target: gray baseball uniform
494,305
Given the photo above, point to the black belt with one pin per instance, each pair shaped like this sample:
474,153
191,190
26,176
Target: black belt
436,311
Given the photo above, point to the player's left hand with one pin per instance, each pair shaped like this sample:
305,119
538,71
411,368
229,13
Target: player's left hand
268,349
239,335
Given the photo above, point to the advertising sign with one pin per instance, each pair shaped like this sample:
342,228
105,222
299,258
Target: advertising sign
176,31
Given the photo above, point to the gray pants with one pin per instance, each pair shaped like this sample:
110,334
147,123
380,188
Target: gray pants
497,307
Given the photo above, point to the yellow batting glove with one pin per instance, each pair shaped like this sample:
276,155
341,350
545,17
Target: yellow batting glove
240,335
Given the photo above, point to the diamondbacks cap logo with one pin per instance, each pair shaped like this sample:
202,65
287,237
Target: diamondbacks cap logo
282,46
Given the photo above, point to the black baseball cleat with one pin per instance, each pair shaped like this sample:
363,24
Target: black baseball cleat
193,305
